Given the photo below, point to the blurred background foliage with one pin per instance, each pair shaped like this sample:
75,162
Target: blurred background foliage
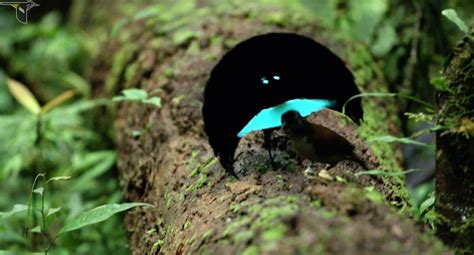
409,39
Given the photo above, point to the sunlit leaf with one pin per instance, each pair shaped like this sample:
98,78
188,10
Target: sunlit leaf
118,98
39,191
453,16
52,211
24,96
58,101
59,178
16,209
96,163
96,215
153,100
426,204
135,94
391,139
36,229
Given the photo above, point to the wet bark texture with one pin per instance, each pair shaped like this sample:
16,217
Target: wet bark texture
165,159
455,144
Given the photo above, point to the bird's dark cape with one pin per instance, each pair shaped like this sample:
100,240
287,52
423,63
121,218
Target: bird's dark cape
265,71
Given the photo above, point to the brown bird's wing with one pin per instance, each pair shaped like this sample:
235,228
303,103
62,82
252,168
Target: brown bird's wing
329,142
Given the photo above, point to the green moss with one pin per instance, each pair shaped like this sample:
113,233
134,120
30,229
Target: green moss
327,213
157,246
366,74
268,215
201,181
225,197
202,171
292,199
373,195
130,73
251,250
168,200
183,36
234,207
186,225
244,236
316,204
236,225
207,235
276,18
274,233
169,72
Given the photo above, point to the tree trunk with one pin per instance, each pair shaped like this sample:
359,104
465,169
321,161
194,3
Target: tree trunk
455,144
165,159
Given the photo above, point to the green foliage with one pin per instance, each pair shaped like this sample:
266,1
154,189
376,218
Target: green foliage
453,16
391,139
45,227
382,172
47,55
96,215
57,137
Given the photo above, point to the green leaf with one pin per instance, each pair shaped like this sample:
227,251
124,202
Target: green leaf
57,101
372,194
96,215
135,94
24,96
16,209
94,164
52,211
153,100
386,173
150,11
118,98
391,139
36,229
426,204
39,191
441,83
59,178
383,94
453,16
182,36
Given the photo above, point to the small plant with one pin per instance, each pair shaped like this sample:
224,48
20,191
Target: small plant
54,138
138,95
47,227
453,16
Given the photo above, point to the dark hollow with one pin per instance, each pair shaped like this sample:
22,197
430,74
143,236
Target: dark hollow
265,71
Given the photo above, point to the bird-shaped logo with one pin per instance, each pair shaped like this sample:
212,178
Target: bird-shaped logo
263,77
21,7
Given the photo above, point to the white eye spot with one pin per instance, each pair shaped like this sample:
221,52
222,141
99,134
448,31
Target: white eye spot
265,80
276,77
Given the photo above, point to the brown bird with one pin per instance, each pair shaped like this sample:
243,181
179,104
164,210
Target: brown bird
316,142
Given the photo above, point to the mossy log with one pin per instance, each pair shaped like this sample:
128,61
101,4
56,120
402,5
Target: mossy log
455,145
165,159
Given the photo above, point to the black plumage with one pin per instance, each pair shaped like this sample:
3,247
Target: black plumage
265,71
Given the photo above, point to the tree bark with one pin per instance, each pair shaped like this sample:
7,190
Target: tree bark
455,145
165,159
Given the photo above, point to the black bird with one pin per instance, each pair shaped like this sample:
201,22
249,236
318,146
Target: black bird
316,142
265,71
